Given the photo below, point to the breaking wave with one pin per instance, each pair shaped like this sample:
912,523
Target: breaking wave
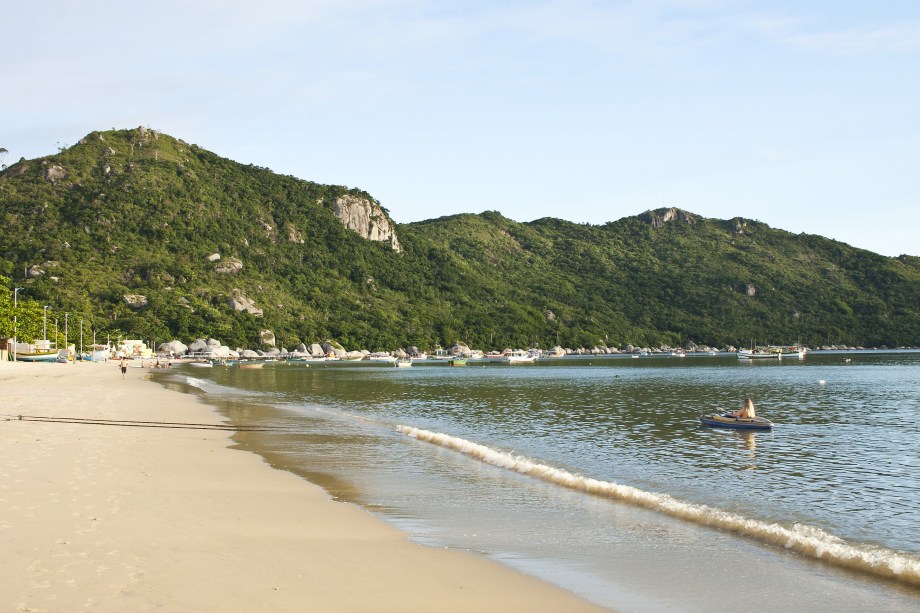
805,540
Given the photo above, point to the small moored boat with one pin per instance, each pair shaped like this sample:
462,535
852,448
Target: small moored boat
727,420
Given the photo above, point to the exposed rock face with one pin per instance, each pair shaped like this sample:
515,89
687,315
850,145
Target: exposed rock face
367,219
294,235
267,337
55,173
230,266
38,270
239,302
213,257
460,349
135,301
750,290
659,217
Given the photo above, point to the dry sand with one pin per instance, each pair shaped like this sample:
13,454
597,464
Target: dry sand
115,518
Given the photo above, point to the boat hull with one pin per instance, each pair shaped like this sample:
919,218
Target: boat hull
736,423
41,356
747,354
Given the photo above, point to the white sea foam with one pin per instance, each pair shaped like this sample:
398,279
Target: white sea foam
805,540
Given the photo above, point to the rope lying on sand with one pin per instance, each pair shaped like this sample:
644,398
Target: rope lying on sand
142,424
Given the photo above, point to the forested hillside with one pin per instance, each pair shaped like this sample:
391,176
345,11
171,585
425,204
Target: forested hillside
140,234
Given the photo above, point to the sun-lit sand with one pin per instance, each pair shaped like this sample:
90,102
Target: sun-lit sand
119,518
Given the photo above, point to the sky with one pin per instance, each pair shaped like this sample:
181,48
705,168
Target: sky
803,115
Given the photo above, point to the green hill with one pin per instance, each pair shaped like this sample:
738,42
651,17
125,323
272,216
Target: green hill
123,231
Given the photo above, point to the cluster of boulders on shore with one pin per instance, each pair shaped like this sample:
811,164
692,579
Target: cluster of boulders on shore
212,348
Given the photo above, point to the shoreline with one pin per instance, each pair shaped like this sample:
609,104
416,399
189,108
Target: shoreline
114,518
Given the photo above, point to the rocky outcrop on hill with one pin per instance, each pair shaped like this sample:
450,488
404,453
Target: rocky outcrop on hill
230,266
239,302
55,173
367,219
135,301
659,217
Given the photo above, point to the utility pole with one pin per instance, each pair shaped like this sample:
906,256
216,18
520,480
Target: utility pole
15,320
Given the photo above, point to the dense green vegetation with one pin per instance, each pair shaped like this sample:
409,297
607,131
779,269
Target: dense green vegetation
133,212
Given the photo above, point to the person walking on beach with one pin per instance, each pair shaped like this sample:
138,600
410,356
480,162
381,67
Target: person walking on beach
124,366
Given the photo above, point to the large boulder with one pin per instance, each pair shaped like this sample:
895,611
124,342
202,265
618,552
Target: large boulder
316,350
199,346
460,349
230,266
334,348
173,347
239,302
267,337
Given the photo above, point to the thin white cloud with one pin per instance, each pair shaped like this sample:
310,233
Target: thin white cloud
896,38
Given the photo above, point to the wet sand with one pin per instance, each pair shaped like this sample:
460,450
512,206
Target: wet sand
138,518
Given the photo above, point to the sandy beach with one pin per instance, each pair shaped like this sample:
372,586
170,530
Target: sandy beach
131,518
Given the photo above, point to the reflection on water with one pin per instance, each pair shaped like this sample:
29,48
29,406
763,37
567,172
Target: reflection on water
842,458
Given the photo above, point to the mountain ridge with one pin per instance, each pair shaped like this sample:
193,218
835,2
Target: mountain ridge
138,213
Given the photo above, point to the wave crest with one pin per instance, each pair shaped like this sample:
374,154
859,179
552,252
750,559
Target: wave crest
806,540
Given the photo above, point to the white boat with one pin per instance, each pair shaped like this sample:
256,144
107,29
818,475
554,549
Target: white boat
308,360
387,359
202,364
759,353
514,357
405,363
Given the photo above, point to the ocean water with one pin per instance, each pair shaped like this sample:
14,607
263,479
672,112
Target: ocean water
595,473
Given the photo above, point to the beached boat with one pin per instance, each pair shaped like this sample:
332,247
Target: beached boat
38,356
726,420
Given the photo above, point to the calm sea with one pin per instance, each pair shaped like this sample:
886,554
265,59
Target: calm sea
595,473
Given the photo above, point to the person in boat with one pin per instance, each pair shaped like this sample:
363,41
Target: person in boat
746,410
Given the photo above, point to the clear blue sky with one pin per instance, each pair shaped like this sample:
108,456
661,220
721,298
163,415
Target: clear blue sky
803,115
